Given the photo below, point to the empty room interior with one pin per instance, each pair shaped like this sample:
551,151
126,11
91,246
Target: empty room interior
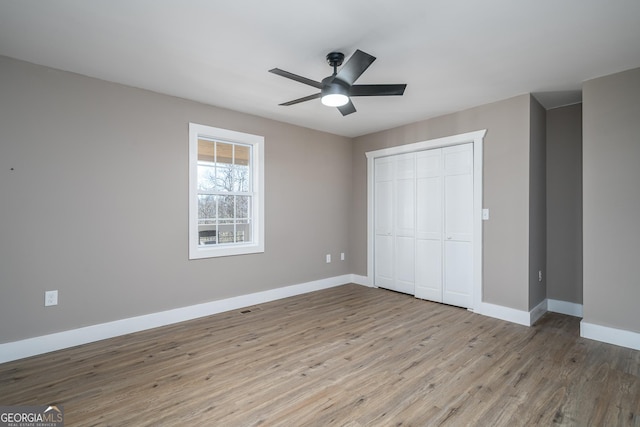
291,213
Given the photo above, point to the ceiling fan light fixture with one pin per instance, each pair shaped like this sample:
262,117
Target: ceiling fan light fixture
335,100
335,94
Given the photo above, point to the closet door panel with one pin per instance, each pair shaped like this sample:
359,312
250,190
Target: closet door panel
429,270
458,159
429,194
404,166
457,273
404,230
404,265
383,225
404,209
384,208
429,225
429,208
383,260
458,211
458,225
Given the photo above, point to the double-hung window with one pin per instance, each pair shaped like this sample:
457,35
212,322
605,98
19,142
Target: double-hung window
226,192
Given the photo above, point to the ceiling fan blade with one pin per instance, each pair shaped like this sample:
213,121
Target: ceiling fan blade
296,77
299,100
355,66
377,90
347,108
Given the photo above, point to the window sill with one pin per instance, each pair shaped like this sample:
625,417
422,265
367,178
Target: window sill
212,251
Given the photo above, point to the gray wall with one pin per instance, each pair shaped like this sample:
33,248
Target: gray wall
93,202
611,200
564,204
93,191
537,204
505,187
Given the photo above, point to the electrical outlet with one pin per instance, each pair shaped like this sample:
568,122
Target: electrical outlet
328,258
50,298
341,256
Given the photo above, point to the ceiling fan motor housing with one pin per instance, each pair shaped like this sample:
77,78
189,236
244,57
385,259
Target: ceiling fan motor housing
334,91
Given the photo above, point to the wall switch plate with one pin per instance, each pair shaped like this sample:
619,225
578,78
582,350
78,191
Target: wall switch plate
50,298
328,258
485,214
341,256
539,275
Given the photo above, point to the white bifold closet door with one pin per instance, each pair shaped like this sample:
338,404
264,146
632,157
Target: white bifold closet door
423,224
395,223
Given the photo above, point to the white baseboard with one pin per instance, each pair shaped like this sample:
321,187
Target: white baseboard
538,311
532,316
564,307
361,280
504,313
57,341
610,335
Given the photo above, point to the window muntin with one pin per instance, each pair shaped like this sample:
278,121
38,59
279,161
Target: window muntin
226,201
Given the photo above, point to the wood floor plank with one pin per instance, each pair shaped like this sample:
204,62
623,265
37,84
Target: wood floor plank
346,356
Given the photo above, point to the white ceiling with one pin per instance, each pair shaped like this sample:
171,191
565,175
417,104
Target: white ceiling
453,54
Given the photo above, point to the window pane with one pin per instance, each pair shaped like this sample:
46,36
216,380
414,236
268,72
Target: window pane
240,178
226,234
206,209
205,150
224,153
243,207
206,220
206,177
224,178
242,155
226,207
243,231
207,235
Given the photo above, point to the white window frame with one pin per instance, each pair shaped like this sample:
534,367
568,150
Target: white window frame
197,251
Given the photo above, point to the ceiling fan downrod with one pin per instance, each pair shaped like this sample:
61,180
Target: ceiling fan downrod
335,59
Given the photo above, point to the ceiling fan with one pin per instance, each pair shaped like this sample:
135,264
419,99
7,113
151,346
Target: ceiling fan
336,90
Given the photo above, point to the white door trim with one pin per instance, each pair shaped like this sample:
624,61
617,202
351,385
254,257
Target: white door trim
477,139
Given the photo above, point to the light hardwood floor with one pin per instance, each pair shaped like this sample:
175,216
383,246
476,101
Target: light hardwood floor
346,356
